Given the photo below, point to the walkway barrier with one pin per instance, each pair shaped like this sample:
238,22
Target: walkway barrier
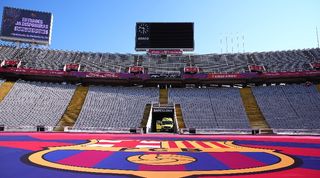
297,131
215,131
39,128
251,131
42,128
104,130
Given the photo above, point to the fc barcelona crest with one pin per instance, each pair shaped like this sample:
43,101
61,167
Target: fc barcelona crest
161,158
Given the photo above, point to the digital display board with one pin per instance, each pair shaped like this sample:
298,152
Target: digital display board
164,36
26,26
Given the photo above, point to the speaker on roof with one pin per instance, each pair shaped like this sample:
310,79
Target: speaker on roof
1,127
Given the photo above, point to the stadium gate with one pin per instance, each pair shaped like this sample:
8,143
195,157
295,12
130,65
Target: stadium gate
158,112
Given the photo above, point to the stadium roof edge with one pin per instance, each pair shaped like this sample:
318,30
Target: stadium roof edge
137,53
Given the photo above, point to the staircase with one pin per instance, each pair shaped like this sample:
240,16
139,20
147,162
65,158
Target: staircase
179,116
145,118
163,96
5,89
256,118
73,110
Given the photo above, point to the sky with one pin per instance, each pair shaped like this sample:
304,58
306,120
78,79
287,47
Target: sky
219,25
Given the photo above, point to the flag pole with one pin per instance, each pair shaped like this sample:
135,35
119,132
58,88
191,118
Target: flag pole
317,36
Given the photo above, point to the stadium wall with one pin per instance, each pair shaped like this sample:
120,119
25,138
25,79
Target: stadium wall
146,79
174,82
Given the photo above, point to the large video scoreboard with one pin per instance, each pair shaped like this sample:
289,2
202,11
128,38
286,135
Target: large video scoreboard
164,36
26,26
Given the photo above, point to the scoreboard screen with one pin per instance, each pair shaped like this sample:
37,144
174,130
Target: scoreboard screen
164,36
26,26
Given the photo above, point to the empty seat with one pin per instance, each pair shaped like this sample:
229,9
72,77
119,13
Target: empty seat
115,107
35,103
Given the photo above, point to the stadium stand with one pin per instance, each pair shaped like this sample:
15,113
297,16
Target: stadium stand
35,103
115,107
210,108
124,107
283,107
196,109
294,60
290,106
228,108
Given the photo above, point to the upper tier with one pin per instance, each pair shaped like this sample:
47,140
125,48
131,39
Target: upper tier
294,60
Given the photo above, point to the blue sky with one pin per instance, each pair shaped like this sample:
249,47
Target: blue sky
109,25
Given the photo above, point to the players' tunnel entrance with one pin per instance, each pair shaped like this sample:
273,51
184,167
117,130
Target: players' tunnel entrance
163,119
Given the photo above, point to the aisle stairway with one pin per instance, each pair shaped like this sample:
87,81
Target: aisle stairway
145,118
179,116
73,110
255,116
5,89
318,87
163,96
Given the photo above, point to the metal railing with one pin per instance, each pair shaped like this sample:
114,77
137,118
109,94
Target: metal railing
42,128
27,128
217,131
103,130
297,131
251,131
